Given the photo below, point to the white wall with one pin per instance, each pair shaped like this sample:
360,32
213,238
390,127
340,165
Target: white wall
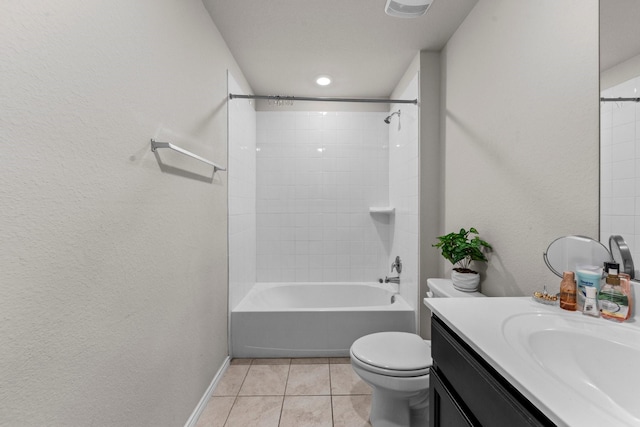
620,166
404,177
113,263
521,130
242,195
620,73
317,175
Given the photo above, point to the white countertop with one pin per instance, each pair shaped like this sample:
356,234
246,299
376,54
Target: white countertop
480,322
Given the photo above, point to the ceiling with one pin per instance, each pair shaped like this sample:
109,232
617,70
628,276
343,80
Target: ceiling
619,31
283,45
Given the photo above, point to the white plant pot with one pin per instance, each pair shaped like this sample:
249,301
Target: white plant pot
465,282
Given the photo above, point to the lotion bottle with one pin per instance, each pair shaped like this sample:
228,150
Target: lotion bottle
568,291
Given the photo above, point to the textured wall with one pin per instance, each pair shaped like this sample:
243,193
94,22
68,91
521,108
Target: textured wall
113,263
620,73
431,179
521,123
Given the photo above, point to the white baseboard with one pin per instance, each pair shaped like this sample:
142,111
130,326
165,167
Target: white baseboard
193,419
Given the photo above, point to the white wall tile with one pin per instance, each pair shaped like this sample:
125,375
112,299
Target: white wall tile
403,193
243,228
620,166
312,167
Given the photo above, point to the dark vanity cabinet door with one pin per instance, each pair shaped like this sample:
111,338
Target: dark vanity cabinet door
445,410
466,391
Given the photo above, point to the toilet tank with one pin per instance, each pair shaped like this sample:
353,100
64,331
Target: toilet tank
443,288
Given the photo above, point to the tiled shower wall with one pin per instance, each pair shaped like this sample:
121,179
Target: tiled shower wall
318,173
620,167
404,177
242,196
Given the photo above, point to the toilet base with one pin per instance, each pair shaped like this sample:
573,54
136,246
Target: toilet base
393,409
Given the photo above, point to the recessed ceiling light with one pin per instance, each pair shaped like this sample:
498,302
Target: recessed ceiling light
323,80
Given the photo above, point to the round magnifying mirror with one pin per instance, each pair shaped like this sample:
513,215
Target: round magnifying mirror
565,253
622,255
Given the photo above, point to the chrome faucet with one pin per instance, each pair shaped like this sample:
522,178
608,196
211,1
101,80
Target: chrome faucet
397,265
395,280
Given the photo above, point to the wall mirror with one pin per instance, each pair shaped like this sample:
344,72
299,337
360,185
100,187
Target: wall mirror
620,122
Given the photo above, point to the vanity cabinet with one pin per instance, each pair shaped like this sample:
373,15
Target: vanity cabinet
466,391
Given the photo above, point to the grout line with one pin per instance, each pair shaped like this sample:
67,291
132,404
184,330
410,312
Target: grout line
330,384
333,420
246,374
286,383
235,399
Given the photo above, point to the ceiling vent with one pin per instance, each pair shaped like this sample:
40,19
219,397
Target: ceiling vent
407,8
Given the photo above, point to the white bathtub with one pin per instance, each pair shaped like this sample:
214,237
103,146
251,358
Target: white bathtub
314,319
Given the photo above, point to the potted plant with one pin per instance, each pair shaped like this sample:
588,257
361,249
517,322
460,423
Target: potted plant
460,250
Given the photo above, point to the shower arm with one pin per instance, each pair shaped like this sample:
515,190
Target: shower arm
388,119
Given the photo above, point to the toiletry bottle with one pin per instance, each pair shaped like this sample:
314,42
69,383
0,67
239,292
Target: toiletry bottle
587,276
591,302
568,291
615,297
611,282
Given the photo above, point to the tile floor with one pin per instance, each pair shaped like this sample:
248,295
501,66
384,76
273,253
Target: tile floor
317,392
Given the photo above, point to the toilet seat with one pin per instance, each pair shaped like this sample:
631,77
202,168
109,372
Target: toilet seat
395,354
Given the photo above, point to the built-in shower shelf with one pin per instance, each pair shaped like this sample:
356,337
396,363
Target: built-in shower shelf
382,210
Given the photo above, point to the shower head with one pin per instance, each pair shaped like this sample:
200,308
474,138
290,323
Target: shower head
388,119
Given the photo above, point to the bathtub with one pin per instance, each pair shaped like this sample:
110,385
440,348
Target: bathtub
314,319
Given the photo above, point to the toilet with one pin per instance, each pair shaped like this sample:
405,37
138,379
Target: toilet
443,288
396,365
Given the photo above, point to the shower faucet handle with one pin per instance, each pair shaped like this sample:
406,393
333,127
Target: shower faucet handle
397,265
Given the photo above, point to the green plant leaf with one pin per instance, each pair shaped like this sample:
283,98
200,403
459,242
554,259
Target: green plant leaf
457,248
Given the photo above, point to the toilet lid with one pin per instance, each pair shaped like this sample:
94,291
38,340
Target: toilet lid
395,351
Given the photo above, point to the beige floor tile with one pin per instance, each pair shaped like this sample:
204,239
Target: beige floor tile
271,361
241,361
340,360
265,380
255,411
351,411
216,412
345,381
309,360
308,380
306,411
231,381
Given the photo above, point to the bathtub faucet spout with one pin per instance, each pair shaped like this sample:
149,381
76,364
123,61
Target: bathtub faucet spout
395,280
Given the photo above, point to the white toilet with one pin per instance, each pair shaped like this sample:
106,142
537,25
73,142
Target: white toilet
396,365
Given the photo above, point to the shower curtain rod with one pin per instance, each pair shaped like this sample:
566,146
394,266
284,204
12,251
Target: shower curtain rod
326,99
620,99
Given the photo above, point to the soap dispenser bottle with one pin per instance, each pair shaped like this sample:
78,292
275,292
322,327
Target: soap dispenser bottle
568,291
615,296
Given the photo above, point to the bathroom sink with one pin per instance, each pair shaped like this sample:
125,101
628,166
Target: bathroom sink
595,358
